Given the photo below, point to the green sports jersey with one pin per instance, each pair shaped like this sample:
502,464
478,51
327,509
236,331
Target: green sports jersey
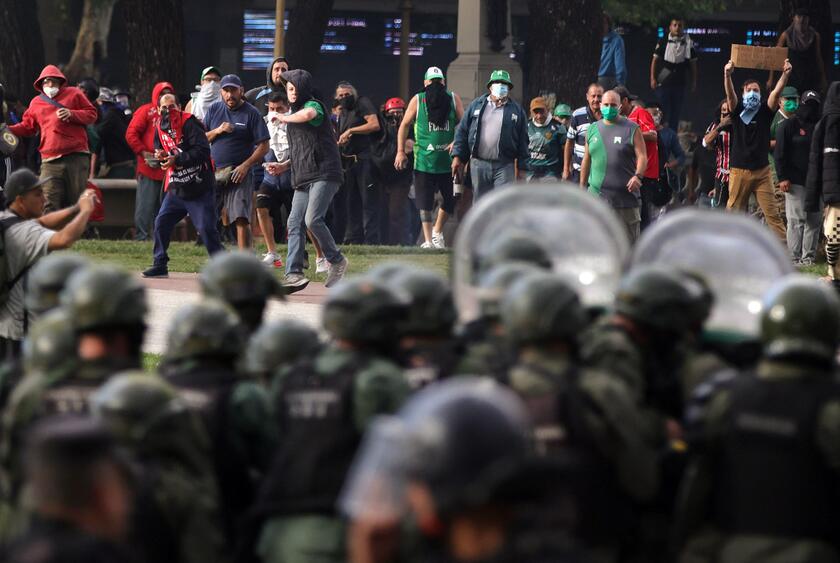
431,143
612,161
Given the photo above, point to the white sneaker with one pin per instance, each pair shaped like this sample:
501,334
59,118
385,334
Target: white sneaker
269,258
438,240
336,272
426,245
322,266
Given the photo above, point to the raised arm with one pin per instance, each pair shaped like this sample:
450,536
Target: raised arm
729,88
773,98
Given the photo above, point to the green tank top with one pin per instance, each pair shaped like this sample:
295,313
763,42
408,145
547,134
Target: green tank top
431,143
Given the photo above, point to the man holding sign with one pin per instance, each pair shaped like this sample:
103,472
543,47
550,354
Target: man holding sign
749,165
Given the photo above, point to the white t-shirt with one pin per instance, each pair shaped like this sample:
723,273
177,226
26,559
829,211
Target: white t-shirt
25,243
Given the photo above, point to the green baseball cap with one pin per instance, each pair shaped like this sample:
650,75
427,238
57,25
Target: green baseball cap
208,70
790,92
500,76
433,72
563,110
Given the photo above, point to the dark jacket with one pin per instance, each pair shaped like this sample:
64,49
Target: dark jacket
793,150
513,140
195,151
824,164
314,152
112,128
258,97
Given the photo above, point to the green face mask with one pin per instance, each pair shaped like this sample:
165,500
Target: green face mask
609,112
790,105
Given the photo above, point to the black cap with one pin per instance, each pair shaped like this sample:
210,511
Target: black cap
21,181
810,96
623,92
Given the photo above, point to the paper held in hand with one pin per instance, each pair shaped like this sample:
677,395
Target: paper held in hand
765,58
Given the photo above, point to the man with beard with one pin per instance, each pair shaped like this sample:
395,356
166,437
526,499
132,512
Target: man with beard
356,206
435,112
793,146
258,97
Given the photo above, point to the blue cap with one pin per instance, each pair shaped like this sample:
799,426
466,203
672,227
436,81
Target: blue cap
231,80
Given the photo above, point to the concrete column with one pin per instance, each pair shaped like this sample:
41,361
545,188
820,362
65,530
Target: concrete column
468,73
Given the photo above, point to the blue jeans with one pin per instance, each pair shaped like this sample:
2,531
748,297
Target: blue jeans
489,174
309,206
202,212
146,206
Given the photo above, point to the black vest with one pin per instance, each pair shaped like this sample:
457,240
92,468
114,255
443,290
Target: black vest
207,390
70,396
771,478
318,441
314,152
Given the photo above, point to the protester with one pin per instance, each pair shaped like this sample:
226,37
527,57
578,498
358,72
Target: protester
546,140
823,179
614,163
788,104
700,176
28,235
209,92
804,47
435,113
59,113
315,180
670,152
718,138
90,88
673,59
356,206
492,136
613,69
395,182
276,188
793,148
112,127
183,152
123,99
258,97
141,138
650,190
563,116
238,141
750,168
576,137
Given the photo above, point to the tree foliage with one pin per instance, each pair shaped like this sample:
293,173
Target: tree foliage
91,40
652,12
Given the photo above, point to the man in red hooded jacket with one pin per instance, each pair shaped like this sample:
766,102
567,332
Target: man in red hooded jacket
141,138
59,113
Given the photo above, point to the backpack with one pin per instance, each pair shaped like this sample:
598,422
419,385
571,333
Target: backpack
6,284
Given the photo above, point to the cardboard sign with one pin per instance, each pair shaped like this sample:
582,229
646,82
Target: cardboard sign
765,58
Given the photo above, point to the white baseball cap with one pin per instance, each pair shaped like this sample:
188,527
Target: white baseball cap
432,73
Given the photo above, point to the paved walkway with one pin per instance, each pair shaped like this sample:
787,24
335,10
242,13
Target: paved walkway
165,296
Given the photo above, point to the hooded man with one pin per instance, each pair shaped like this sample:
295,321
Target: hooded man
182,148
258,97
112,126
435,113
60,114
793,146
316,175
823,178
141,138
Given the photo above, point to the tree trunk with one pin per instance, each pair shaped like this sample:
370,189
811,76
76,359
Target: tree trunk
568,33
91,41
820,19
155,44
307,24
21,46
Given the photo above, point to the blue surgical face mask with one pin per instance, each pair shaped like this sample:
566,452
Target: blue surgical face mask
499,90
751,99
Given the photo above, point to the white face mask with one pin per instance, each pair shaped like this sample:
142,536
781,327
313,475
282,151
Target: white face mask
499,90
51,91
272,116
211,88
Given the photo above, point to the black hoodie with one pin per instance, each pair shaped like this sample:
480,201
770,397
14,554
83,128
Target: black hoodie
824,164
314,152
258,97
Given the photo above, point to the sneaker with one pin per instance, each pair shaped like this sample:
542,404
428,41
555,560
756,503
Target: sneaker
322,266
294,282
336,272
269,258
426,245
156,272
807,262
438,240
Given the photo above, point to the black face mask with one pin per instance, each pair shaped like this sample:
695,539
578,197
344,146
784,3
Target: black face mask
808,112
164,118
347,102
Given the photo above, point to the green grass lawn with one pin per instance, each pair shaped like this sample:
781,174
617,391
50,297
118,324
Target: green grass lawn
187,257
